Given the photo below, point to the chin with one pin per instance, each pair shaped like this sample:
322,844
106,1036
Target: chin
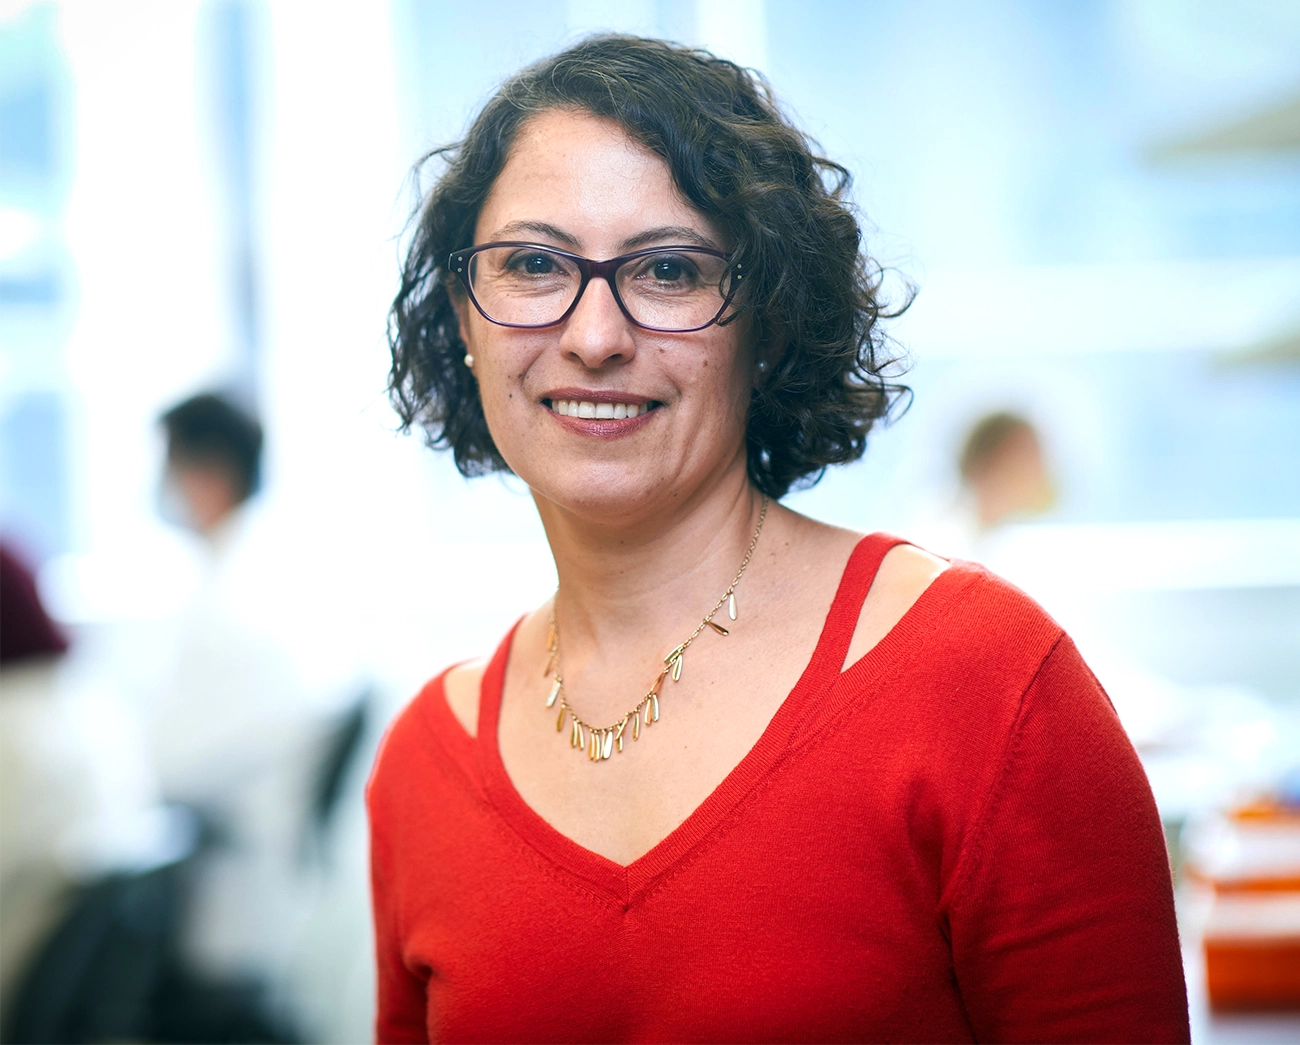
602,493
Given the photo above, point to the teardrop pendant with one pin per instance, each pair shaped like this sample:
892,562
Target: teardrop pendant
718,628
677,668
609,745
731,605
559,722
555,692
636,724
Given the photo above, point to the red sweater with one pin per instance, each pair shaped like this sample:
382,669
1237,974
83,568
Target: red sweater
951,841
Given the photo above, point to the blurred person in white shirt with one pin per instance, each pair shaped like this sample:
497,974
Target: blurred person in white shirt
243,721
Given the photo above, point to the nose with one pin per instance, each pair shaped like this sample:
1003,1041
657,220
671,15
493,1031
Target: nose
597,333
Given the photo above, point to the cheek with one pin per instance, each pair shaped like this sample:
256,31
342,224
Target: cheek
730,373
718,388
501,361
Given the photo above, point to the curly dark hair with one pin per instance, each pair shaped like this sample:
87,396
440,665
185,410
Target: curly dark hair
813,297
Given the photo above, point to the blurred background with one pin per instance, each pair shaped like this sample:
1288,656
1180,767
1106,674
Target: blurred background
1097,201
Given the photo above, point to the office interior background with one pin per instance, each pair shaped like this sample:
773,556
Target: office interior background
1096,202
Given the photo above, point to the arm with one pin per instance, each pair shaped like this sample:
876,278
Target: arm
1061,908
401,1006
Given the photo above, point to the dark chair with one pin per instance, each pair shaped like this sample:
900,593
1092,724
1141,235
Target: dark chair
112,969
341,751
95,977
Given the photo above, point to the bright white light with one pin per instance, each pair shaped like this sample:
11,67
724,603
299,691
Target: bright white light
596,16
1149,556
734,29
12,10
1185,306
19,231
152,322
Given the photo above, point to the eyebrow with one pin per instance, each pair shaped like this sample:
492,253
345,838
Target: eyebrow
665,233
515,228
669,233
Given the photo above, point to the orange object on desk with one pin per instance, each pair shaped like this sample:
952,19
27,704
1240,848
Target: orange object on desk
1252,934
1252,951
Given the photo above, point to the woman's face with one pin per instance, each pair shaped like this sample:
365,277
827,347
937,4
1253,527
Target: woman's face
580,184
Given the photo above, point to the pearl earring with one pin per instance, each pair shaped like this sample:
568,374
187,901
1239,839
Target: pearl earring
469,360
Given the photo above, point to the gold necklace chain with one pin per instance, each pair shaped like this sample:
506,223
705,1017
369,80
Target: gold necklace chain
601,742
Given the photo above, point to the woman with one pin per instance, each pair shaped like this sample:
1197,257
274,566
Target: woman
747,776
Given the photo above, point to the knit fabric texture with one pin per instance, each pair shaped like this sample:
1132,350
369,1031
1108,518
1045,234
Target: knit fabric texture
953,840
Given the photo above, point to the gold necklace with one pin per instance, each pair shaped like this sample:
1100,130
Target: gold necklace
600,742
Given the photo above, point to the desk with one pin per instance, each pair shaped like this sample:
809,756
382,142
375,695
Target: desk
1264,1028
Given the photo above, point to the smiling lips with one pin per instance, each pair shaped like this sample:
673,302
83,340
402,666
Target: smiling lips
589,410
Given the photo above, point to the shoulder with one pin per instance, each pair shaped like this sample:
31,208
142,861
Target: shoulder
988,612
999,653
953,624
903,576
424,732
463,682
461,686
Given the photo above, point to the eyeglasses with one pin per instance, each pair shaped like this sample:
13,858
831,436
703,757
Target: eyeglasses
668,289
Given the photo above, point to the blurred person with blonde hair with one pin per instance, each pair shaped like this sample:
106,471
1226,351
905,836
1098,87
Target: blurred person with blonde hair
1003,477
1003,465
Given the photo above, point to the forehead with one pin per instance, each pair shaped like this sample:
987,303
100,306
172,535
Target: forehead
586,176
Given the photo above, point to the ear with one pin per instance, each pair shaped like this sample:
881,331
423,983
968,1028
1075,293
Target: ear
461,304
769,347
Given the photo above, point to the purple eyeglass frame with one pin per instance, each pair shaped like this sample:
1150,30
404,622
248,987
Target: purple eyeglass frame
458,262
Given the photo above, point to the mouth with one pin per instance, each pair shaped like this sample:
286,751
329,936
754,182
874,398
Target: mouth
599,410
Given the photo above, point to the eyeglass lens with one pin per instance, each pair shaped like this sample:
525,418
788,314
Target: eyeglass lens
677,289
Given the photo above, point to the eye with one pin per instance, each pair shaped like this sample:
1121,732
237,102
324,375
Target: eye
533,264
667,269
670,269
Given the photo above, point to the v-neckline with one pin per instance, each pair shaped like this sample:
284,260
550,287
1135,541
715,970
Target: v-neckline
622,884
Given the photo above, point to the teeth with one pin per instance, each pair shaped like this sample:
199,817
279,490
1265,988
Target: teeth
599,411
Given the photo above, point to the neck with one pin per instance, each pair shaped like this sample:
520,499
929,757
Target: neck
646,580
